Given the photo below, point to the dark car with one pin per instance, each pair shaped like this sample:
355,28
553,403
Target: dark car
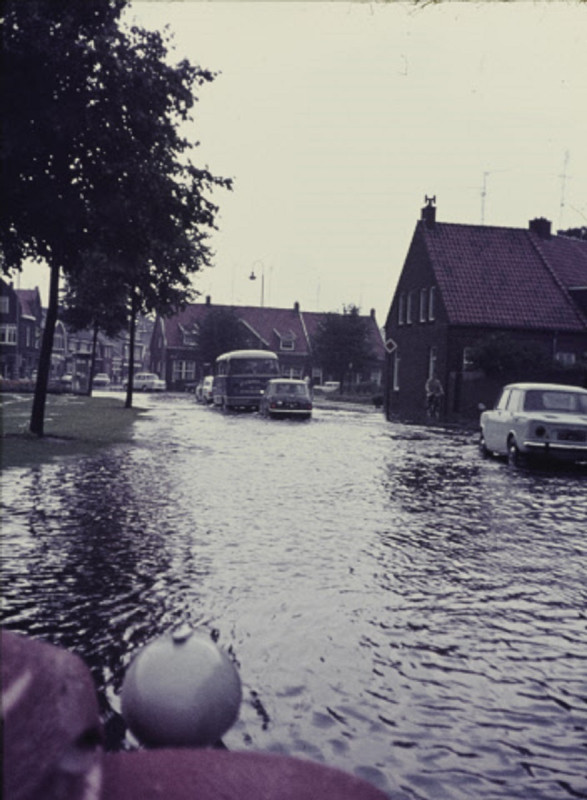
286,397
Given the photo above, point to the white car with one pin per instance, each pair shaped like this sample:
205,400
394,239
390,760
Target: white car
328,387
208,389
101,379
545,420
148,382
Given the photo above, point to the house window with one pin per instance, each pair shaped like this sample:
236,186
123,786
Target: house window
468,363
432,304
410,308
565,359
4,305
291,372
7,334
396,363
287,343
423,304
184,370
190,338
376,377
401,312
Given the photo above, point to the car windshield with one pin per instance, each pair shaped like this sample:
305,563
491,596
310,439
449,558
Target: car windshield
295,389
559,401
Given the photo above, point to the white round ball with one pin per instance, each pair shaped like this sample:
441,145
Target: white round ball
181,691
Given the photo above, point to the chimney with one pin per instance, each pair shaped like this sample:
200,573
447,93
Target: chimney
297,307
429,211
541,227
208,299
372,313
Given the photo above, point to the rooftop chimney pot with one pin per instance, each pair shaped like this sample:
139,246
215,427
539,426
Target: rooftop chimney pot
541,227
429,211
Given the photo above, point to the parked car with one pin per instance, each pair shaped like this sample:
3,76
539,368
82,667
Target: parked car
148,382
286,397
208,389
101,380
328,387
537,419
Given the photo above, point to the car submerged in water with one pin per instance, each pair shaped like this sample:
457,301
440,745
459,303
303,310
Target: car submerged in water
286,397
537,420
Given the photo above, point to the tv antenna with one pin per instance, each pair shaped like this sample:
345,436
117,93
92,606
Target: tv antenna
563,178
484,190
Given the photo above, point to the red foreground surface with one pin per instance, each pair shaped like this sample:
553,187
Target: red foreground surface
52,741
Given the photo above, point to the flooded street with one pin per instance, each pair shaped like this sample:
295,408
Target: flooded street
397,606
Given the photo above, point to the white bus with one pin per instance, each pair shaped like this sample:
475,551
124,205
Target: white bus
241,377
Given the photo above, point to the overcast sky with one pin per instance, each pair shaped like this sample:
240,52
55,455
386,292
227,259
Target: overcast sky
336,119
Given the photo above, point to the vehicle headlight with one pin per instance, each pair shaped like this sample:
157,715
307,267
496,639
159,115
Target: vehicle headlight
540,431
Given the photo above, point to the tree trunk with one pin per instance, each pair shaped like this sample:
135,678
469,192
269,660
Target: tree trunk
44,367
92,361
131,353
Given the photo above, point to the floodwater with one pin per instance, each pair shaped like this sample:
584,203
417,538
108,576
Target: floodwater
397,606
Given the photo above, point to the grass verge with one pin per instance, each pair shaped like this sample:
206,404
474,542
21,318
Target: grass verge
74,425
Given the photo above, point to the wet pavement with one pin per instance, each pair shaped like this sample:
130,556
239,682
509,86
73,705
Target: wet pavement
397,606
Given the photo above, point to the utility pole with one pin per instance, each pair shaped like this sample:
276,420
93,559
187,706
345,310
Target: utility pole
253,277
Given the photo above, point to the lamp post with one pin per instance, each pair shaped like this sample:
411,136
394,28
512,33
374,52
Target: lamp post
253,277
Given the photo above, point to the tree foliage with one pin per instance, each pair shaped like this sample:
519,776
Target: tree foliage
97,179
341,343
219,332
499,355
575,233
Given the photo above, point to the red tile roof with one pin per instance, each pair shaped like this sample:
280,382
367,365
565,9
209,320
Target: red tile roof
30,301
270,324
506,277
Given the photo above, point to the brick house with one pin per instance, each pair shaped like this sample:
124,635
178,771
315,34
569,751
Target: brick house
462,284
285,331
21,321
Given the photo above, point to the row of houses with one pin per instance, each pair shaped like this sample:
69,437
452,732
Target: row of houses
468,288
168,346
22,319
289,332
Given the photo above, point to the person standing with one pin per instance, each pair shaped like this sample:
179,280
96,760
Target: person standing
434,395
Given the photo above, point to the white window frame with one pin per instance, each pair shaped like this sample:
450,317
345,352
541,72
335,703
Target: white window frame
410,309
401,310
423,304
184,370
432,304
8,334
396,364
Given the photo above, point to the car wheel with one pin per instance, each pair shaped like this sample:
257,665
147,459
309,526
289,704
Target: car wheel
514,455
482,446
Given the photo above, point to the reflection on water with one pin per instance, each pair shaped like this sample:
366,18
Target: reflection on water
397,606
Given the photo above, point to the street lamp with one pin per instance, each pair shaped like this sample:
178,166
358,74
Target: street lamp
253,277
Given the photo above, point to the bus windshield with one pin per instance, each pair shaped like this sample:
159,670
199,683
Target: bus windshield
253,366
